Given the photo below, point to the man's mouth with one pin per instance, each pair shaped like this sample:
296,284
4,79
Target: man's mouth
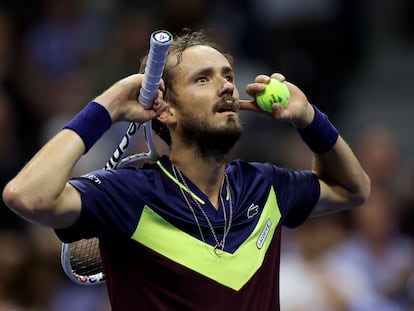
227,105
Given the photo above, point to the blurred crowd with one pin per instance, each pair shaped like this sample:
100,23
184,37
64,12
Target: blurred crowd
349,57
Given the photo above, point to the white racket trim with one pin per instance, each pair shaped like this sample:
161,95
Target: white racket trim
143,156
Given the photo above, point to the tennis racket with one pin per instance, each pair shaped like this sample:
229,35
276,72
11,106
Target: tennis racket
81,260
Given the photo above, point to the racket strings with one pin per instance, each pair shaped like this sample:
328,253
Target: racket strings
85,257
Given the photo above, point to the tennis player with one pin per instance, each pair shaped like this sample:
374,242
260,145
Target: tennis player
194,231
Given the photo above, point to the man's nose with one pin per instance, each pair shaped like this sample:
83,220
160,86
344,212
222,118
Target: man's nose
227,87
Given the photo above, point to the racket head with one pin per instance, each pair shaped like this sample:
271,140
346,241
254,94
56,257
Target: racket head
81,261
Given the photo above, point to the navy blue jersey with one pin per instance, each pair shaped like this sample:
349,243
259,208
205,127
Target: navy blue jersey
155,257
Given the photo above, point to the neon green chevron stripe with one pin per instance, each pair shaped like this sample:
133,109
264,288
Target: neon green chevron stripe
181,185
232,270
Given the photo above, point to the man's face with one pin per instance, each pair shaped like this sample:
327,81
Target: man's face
207,100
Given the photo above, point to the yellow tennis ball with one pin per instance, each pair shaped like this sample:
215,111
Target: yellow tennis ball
275,92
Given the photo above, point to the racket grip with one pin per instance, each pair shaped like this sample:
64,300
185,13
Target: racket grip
160,41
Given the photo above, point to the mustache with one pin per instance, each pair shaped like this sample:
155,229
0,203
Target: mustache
227,103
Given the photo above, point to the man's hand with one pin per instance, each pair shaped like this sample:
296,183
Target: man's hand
121,101
298,111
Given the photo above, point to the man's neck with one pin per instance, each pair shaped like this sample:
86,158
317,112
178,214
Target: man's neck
206,173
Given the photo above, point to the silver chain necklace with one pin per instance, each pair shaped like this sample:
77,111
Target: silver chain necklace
219,247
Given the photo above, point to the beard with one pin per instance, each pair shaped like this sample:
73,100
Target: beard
210,140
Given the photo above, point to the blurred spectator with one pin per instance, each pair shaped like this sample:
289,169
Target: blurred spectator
378,150
406,205
63,38
176,14
126,41
60,48
226,22
11,158
330,283
350,258
311,42
8,44
37,281
14,254
377,250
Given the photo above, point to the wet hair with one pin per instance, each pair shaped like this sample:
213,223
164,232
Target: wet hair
182,41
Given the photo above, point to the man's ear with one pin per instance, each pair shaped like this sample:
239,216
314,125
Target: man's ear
168,116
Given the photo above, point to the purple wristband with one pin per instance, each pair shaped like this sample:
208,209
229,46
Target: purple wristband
90,124
320,135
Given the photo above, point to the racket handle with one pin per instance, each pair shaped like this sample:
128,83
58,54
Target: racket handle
160,41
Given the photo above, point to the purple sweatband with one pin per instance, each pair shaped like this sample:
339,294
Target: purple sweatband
90,124
320,135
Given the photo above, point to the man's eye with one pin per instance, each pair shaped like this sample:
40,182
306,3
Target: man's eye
201,80
230,78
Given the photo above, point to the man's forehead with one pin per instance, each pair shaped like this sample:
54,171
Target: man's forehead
201,56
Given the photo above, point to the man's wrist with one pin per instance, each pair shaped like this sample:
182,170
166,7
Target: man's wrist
90,123
320,135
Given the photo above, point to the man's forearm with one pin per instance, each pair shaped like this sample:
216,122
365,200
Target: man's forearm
342,167
35,190
345,184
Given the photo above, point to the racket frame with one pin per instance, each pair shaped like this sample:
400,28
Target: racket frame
160,41
66,251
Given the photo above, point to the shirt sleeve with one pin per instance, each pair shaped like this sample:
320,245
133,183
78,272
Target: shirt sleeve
106,211
297,191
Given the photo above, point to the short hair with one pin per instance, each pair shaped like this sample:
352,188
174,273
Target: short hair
187,38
